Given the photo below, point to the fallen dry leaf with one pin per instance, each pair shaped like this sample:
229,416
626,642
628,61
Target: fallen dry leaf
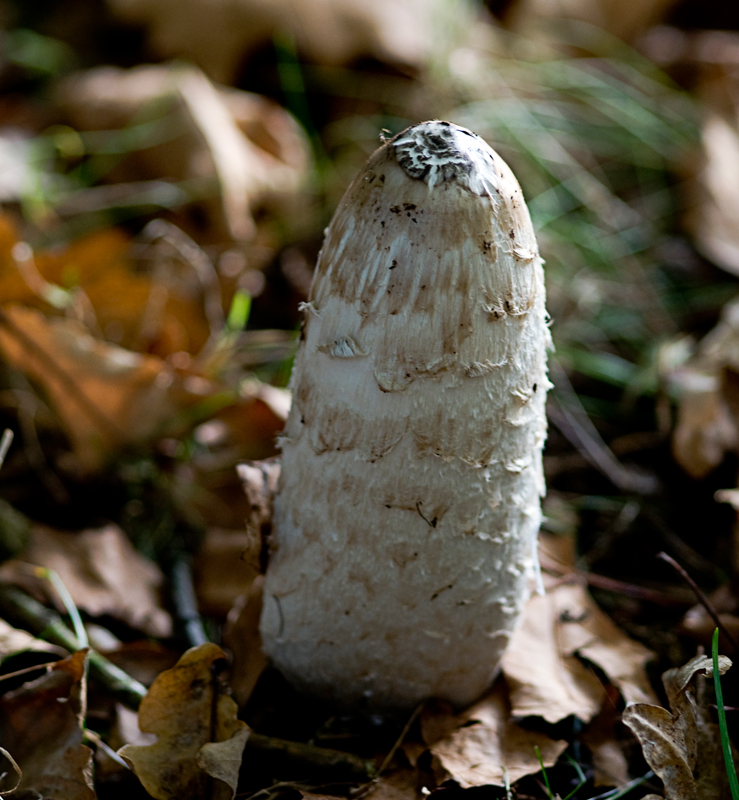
98,390
14,641
399,784
102,572
609,761
708,389
705,430
711,197
249,429
697,622
683,747
198,733
259,479
714,216
109,399
106,289
241,636
143,660
41,728
545,677
204,136
226,565
486,746
219,37
596,639
545,664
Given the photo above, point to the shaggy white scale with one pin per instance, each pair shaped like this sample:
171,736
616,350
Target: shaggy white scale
404,544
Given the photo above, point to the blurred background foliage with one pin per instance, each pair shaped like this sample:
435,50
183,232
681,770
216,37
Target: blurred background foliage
167,169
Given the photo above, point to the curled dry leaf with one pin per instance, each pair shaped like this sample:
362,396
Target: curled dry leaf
41,727
102,572
6,779
219,36
682,746
198,733
244,151
486,746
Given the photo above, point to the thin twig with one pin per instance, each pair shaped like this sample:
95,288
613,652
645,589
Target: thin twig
97,740
567,413
44,667
5,443
613,585
16,769
322,757
679,546
632,590
362,790
702,599
185,602
399,741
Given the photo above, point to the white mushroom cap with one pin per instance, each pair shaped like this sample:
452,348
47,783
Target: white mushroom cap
406,519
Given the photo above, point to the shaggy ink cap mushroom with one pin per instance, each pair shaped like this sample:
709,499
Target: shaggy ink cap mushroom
404,538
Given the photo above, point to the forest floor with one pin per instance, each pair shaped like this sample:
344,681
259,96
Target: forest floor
165,181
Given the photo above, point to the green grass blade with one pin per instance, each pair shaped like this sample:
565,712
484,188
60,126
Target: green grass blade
239,313
543,772
55,580
580,775
723,728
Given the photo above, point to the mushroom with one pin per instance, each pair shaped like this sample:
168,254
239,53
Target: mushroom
404,538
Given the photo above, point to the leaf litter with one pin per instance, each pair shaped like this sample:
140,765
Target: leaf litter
682,745
198,733
102,572
41,727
